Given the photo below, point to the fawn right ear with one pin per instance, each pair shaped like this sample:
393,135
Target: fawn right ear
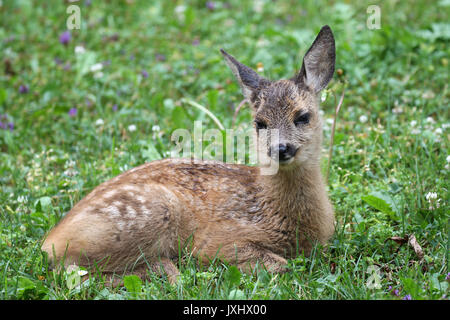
318,63
249,81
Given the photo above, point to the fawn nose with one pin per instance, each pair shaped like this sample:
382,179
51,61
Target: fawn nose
285,151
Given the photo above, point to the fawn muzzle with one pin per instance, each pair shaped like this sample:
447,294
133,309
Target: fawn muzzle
285,152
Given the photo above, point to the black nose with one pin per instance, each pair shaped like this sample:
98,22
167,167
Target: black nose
285,151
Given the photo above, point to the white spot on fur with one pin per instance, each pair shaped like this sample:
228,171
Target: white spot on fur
131,212
130,188
120,224
111,210
110,193
141,199
145,210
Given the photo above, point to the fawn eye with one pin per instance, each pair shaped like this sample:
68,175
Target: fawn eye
260,125
302,119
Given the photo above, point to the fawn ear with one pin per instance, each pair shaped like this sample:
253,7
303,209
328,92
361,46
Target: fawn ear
249,80
318,63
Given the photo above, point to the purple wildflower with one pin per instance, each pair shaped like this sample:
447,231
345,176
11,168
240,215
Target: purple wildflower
23,89
407,297
5,126
73,112
448,276
58,61
211,5
114,107
144,73
393,291
160,57
196,42
132,57
67,66
65,37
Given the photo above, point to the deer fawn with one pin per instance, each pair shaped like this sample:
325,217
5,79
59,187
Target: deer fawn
138,219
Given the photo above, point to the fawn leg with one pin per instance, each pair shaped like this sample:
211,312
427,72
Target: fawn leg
115,279
166,266
161,267
272,262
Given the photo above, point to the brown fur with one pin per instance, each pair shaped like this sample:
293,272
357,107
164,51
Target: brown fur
230,211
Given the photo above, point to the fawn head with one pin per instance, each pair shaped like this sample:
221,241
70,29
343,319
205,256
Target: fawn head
290,106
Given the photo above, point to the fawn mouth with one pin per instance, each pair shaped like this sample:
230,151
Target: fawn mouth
285,156
286,162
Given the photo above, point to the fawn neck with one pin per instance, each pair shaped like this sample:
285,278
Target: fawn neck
294,203
293,191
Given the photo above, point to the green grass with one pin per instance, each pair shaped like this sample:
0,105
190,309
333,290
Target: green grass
396,78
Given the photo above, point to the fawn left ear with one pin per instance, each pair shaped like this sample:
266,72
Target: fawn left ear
318,63
249,81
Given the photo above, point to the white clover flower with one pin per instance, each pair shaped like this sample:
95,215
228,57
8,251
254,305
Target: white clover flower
363,119
448,159
179,12
71,172
258,6
96,67
99,122
429,120
156,128
433,200
80,50
69,163
98,75
430,196
438,131
413,123
180,9
132,128
22,199
428,94
397,110
415,131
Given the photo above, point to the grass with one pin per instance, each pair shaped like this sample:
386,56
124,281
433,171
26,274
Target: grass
390,147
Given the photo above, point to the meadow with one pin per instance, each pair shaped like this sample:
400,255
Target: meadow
78,107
